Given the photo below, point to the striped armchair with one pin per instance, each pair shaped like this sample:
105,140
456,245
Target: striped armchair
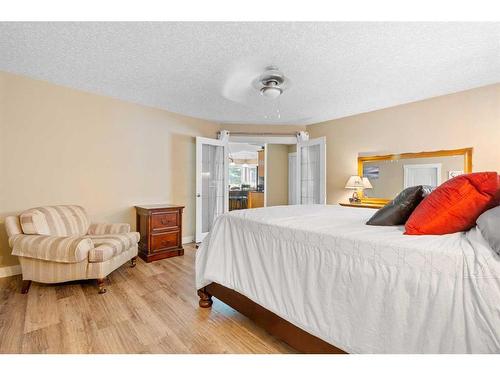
57,244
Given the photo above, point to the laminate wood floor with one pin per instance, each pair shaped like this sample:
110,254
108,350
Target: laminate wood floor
152,308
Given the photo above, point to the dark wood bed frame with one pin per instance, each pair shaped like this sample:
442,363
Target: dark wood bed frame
282,329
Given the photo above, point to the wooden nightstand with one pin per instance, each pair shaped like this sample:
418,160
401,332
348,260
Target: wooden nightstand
160,226
361,205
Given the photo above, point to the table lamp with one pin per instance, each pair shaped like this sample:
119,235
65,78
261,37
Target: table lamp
358,184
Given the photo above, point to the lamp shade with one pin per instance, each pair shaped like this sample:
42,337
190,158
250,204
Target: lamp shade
366,183
354,182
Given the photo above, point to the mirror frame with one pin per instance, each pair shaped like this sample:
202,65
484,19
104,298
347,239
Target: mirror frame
465,152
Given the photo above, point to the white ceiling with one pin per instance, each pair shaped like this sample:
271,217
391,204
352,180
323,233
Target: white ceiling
243,151
205,70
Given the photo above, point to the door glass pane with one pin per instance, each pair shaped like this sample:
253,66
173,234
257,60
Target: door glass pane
212,187
310,174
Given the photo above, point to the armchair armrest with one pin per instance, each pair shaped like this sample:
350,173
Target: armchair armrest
103,228
72,249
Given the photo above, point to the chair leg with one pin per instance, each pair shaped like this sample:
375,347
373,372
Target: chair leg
133,262
26,286
101,284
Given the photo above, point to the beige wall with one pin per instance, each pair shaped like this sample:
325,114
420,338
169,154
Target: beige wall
465,119
276,175
59,145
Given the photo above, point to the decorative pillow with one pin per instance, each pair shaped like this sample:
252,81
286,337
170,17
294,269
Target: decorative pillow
489,225
64,220
400,208
455,205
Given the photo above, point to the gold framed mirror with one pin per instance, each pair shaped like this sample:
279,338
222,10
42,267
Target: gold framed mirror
390,174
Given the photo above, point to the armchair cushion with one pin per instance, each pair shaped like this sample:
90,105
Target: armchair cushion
103,228
108,246
71,249
66,220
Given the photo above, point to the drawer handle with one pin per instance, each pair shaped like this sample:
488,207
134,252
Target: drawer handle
164,221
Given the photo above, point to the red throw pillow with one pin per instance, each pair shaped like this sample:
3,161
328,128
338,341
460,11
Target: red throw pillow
455,205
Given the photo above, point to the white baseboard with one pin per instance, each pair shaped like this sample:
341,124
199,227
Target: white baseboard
187,239
10,271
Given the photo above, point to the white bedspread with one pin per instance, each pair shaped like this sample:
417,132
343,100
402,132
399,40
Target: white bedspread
361,288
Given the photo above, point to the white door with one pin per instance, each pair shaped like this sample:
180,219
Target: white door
292,178
422,174
311,171
212,192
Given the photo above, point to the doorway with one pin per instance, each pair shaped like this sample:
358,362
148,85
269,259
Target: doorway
246,175
228,179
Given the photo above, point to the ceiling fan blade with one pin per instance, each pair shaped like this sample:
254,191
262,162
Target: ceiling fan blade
238,85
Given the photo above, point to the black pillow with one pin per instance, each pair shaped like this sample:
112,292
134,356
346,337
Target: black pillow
399,210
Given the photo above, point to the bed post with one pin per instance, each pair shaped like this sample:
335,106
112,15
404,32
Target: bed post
205,298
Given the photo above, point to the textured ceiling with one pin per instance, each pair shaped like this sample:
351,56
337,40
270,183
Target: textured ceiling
205,70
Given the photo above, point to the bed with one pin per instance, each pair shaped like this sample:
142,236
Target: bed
317,272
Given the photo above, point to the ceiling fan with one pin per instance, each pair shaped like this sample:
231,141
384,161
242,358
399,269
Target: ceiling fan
271,83
249,85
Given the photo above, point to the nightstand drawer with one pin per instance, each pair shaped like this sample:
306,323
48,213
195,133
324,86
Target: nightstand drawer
164,241
165,220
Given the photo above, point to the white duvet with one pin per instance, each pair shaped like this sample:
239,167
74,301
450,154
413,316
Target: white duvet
362,288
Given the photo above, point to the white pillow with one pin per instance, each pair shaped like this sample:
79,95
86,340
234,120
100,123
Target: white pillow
489,225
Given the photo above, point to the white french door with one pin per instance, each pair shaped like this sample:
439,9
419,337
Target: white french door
212,192
311,171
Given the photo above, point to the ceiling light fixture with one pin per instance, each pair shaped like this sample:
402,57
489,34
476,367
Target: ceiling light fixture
271,90
272,83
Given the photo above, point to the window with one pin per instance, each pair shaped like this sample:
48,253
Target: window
243,176
234,175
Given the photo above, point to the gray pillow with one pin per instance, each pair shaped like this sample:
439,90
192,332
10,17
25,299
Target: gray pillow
489,225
